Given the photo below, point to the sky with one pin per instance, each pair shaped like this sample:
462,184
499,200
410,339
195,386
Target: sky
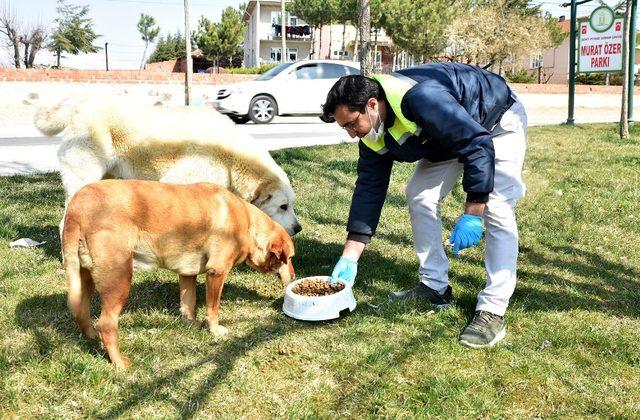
116,21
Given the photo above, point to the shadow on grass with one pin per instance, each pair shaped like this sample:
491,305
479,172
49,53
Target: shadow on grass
608,286
29,195
37,314
49,234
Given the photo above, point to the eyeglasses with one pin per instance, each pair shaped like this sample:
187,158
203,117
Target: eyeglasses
350,126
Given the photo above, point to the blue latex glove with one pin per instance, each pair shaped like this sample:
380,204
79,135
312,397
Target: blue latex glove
345,270
466,233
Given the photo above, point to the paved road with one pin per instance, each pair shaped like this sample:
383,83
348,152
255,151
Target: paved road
24,150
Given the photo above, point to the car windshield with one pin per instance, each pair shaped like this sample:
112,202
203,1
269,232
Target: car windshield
268,75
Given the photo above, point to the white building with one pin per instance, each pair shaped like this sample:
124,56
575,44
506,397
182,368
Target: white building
263,38
263,41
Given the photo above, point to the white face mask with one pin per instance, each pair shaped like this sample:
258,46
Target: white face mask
373,134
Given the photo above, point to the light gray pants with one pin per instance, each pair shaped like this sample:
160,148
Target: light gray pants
431,182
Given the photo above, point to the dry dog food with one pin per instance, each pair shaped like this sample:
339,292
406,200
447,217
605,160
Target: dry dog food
317,287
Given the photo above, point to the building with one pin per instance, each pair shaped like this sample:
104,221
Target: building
263,38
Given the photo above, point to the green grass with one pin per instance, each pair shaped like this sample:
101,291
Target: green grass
578,290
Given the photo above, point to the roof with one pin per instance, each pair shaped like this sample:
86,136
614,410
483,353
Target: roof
252,5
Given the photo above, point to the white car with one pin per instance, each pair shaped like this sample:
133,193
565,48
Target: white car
296,88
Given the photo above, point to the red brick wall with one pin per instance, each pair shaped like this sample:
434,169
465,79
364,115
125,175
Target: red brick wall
165,66
161,75
115,76
580,89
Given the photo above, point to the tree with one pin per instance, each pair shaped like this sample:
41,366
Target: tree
74,33
624,122
221,41
10,27
419,27
170,47
30,39
490,33
148,31
316,13
33,40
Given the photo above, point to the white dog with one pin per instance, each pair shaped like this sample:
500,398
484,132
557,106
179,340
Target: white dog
115,139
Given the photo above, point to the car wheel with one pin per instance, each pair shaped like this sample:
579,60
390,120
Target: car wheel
239,119
327,119
263,109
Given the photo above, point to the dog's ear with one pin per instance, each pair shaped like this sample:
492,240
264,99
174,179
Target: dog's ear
279,256
281,246
261,196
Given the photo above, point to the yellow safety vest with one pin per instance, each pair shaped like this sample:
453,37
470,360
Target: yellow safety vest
395,86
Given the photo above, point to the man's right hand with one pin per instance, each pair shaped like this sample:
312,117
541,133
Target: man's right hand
346,270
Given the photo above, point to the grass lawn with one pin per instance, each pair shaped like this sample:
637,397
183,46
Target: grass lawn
573,327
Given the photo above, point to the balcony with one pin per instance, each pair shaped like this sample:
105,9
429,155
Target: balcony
294,33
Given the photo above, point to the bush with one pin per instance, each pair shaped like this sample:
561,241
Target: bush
520,76
615,79
253,70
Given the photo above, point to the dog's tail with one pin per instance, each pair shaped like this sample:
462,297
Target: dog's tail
52,119
79,282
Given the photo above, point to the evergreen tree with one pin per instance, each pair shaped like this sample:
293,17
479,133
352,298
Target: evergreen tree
419,27
74,33
170,47
221,42
148,31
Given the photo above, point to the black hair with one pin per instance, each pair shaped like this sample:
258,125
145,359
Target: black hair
353,91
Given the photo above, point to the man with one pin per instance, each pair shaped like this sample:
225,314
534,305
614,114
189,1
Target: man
453,119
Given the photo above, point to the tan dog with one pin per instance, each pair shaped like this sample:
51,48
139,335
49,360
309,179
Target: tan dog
113,225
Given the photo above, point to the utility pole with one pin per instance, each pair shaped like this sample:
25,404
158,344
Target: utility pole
364,26
283,31
187,37
106,54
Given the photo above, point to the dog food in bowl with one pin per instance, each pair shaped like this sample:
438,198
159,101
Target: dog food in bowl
316,286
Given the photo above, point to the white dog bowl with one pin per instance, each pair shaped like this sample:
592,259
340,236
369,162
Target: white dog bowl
317,308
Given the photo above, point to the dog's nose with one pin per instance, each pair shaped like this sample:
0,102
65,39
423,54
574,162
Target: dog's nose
297,228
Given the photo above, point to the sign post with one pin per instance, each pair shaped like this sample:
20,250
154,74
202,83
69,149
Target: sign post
572,62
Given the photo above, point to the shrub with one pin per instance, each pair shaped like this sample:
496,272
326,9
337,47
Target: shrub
520,76
253,70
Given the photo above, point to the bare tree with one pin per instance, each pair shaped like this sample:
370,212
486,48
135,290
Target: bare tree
33,40
624,122
10,28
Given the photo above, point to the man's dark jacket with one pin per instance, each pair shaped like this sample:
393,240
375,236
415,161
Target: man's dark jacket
457,106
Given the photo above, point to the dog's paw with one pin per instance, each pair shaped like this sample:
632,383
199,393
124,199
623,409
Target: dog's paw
218,331
123,363
91,333
187,315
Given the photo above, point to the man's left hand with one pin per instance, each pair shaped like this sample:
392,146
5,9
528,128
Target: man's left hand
467,232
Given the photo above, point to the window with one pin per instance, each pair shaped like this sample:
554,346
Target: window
377,60
536,62
332,71
275,18
351,70
308,72
275,54
291,20
270,74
